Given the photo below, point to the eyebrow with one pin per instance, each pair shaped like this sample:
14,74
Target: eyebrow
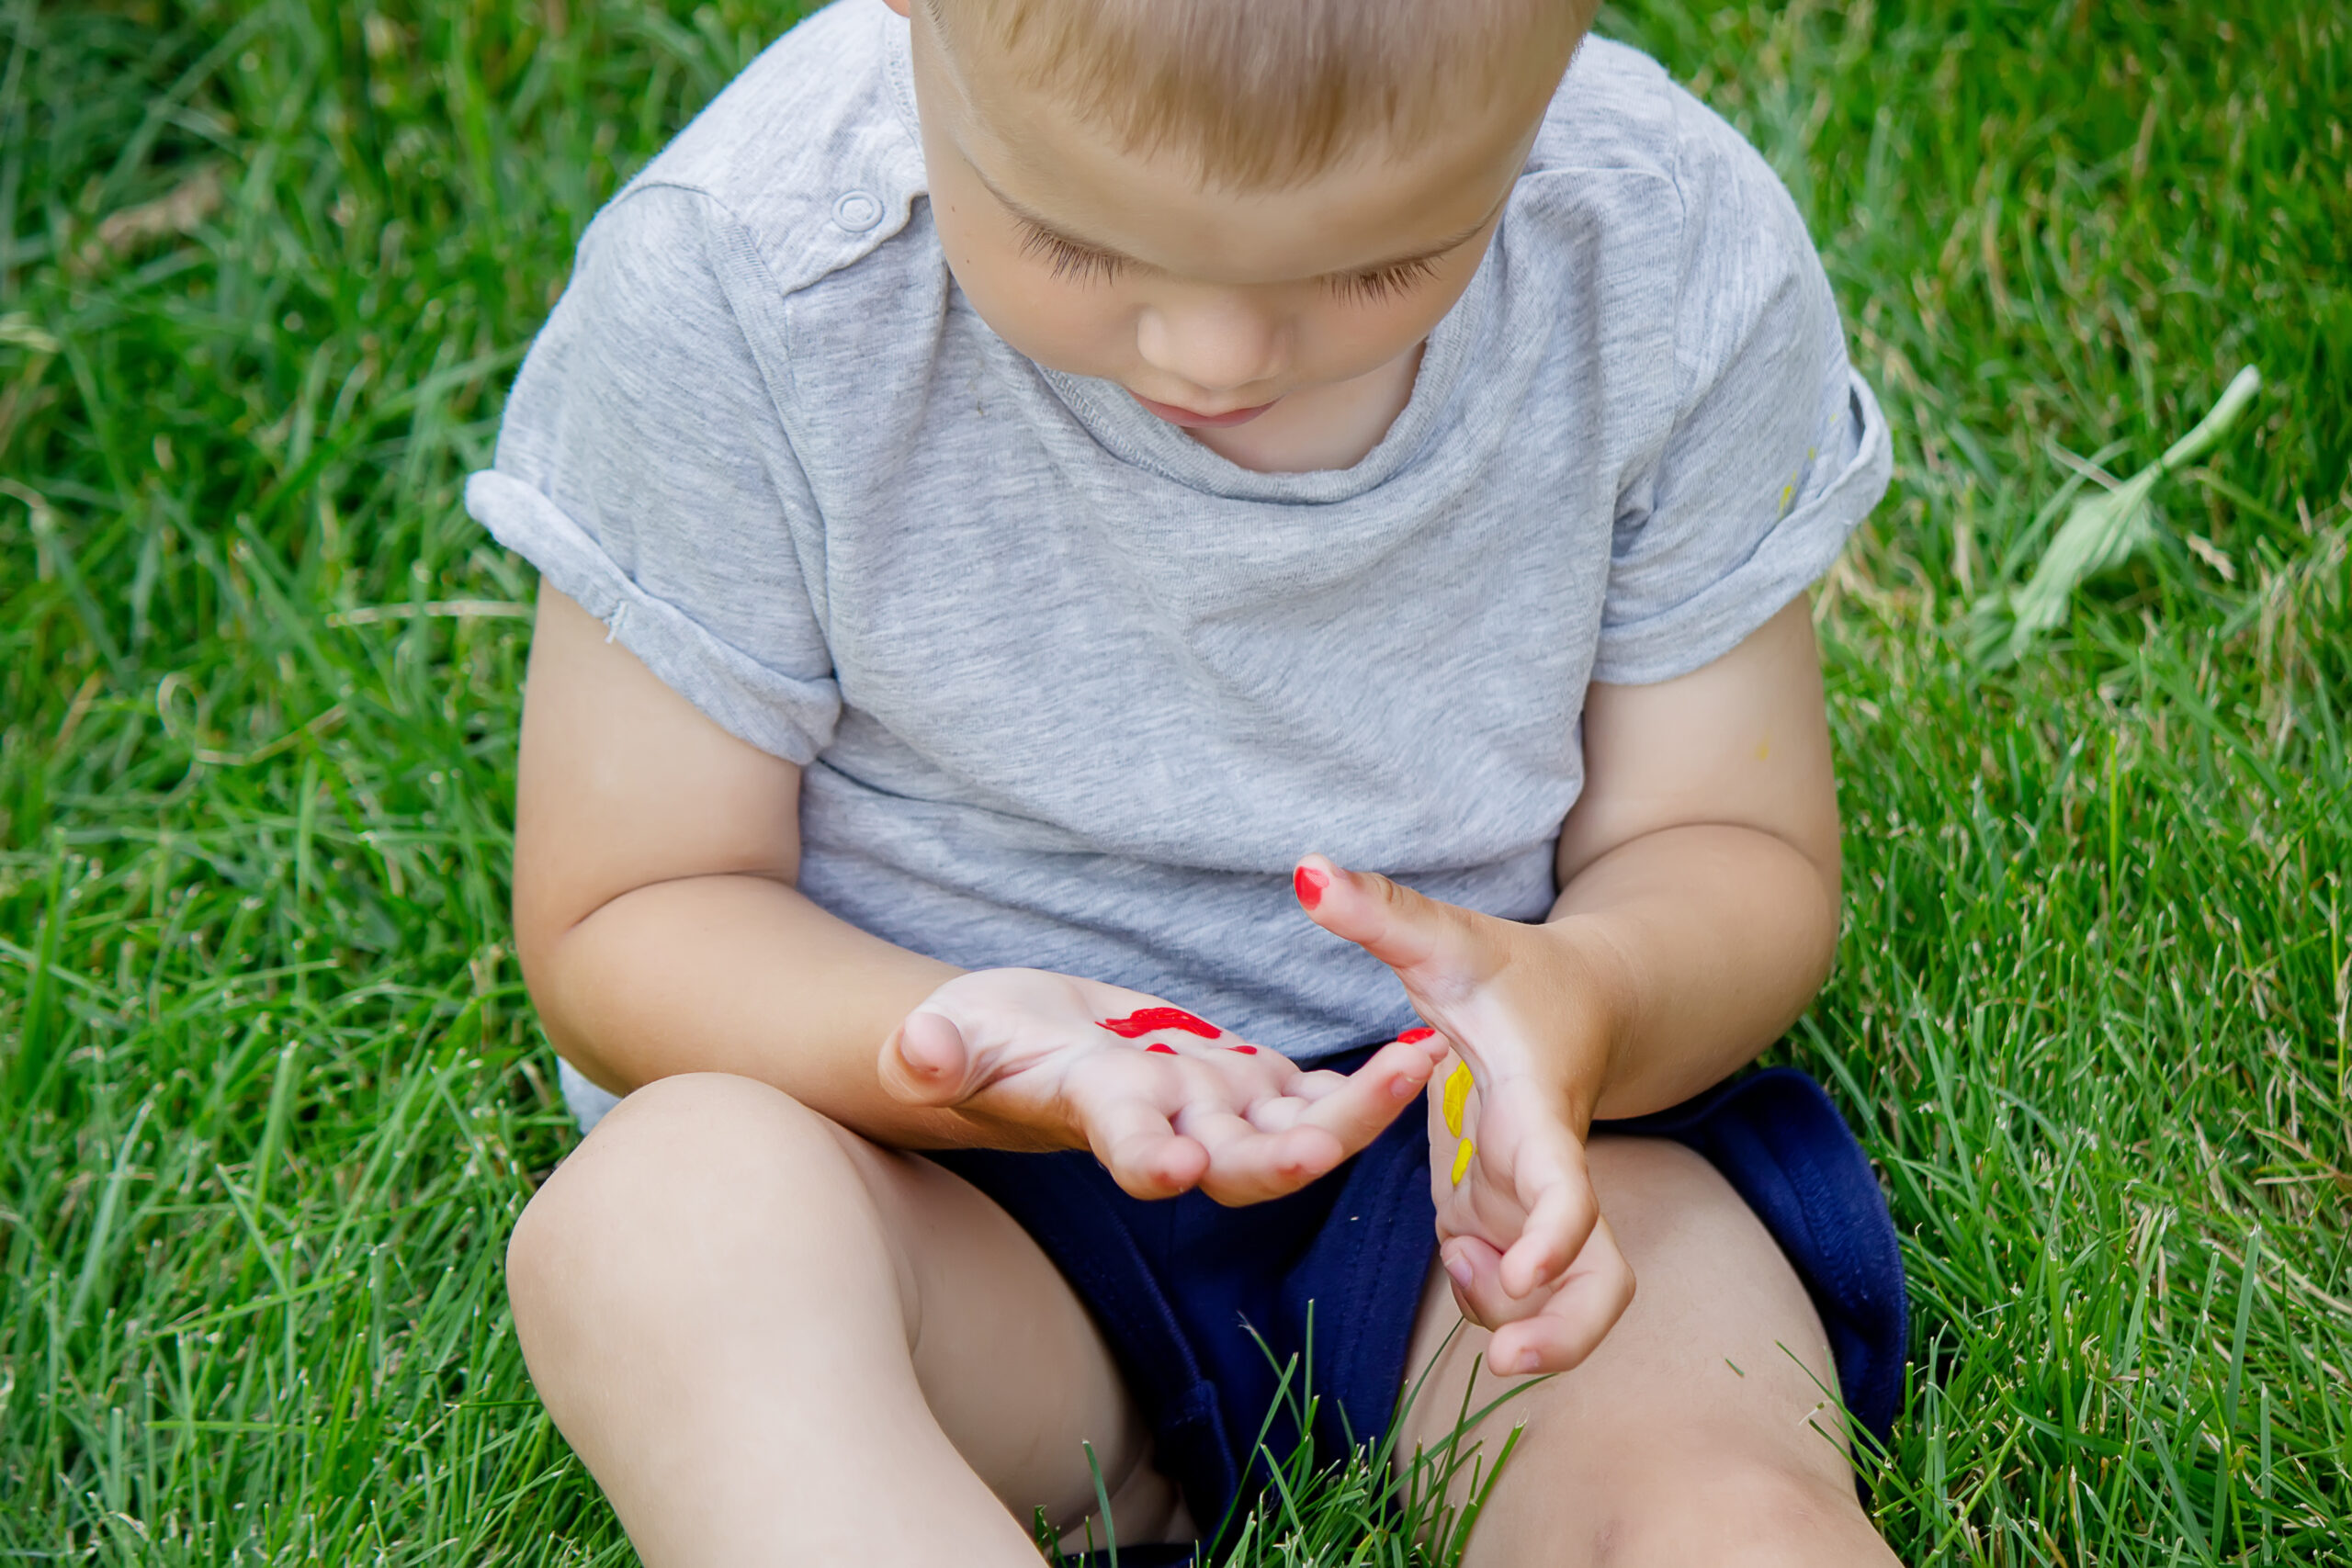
1033,219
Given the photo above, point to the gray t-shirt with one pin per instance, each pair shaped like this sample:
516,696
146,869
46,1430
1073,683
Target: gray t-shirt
1071,690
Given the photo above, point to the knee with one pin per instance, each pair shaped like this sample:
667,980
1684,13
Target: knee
681,1169
1738,1514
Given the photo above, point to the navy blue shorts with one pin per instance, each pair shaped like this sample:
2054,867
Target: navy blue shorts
1179,1285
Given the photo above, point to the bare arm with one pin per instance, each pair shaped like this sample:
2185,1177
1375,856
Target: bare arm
655,914
1699,872
661,932
1698,911
1697,917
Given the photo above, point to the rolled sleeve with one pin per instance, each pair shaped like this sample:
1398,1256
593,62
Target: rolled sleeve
786,717
1776,450
642,468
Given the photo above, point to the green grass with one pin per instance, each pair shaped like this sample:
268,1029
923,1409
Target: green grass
269,1090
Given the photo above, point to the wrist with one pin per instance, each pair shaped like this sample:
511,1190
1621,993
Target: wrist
1596,1002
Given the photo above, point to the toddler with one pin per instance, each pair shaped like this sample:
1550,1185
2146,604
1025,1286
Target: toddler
1129,589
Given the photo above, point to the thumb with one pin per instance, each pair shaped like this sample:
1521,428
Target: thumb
926,1061
1405,929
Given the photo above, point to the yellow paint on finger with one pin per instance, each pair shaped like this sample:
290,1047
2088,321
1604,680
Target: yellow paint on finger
1457,1095
1462,1155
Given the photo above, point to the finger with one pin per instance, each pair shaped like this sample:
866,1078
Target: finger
1358,1110
1264,1089
1283,1143
1557,1226
1319,1083
1144,1155
1473,1264
1260,1144
926,1061
1215,1099
1278,1115
1405,929
1246,1166
1470,1264
1575,1318
1429,1040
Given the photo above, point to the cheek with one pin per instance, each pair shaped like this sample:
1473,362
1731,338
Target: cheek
1346,338
1081,329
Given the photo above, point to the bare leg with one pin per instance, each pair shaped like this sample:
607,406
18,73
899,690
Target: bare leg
772,1341
1691,1438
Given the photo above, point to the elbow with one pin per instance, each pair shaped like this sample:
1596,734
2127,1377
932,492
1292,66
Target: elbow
1829,867
539,930
543,949
535,954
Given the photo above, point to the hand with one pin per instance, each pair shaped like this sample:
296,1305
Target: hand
1167,1101
1519,1230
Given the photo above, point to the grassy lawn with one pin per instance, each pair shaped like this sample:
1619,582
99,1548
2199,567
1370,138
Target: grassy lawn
270,1091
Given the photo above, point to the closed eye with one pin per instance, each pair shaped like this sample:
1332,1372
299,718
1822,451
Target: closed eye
1085,264
1371,288
1080,263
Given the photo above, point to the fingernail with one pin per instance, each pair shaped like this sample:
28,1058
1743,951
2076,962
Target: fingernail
1528,1360
1309,884
1415,1036
1457,1268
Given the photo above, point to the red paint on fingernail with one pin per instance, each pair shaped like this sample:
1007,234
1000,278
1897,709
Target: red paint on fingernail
1245,1050
1415,1036
1142,1022
1308,883
1163,1050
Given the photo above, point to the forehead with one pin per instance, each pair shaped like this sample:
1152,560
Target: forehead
1374,205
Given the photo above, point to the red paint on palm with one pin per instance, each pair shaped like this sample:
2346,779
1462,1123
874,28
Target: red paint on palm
1415,1036
1163,1050
1144,1021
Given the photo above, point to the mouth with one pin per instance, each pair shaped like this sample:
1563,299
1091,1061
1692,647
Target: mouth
1190,419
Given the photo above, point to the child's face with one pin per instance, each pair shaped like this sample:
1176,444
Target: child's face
1209,306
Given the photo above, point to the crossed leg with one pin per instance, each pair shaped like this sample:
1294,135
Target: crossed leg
1690,1438
772,1341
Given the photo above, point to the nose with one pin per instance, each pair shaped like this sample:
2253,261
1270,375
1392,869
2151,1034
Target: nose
1218,342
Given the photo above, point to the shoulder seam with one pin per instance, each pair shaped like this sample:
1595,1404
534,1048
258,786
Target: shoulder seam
822,266
801,227
729,249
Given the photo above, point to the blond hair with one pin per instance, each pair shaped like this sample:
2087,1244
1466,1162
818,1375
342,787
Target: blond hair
1266,93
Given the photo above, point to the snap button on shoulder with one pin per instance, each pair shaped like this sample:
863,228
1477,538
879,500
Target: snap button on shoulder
857,210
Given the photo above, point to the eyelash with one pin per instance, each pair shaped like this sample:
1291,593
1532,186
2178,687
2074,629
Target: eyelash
1083,266
1371,288
1067,260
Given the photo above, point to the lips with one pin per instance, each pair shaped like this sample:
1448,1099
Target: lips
1191,418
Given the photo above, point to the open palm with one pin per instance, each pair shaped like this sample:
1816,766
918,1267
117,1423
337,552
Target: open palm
1167,1100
